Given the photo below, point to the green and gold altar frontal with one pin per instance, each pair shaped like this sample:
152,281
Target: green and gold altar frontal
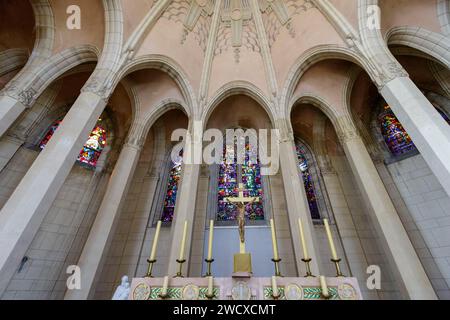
245,289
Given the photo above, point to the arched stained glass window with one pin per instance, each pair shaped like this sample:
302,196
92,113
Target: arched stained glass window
170,196
397,139
92,149
231,175
308,181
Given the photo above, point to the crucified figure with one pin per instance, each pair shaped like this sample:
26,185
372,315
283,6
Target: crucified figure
241,218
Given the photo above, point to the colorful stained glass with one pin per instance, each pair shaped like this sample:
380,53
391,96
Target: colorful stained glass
92,149
172,189
49,134
397,139
230,175
308,181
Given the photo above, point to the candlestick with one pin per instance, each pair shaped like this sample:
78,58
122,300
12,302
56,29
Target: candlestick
330,240
274,240
211,237
210,295
303,241
152,260
165,288
183,241
155,241
275,292
208,267
324,286
180,268
308,268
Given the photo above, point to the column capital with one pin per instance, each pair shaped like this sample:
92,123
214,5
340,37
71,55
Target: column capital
137,136
25,95
346,129
285,131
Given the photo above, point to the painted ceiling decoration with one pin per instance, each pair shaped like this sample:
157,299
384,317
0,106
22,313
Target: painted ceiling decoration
237,28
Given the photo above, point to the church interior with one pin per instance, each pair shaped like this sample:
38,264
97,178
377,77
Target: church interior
92,91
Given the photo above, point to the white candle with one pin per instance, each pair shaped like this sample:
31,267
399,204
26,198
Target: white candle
330,240
183,241
324,286
155,241
211,237
274,240
275,287
165,287
302,239
210,286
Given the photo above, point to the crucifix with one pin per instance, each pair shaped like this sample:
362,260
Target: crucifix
241,201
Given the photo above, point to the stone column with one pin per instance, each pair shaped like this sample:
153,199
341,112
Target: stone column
22,215
297,203
428,130
10,110
97,245
400,252
186,199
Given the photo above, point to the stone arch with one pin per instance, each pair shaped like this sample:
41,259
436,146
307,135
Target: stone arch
309,58
12,59
45,30
168,66
433,44
236,88
443,8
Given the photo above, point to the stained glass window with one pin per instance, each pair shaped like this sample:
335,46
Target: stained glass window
308,181
230,175
172,189
397,139
92,149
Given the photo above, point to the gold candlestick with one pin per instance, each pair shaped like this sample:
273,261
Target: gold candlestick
150,268
180,270
277,267
308,268
208,267
336,262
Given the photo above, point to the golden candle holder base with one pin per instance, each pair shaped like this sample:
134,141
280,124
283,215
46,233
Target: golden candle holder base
163,296
339,274
210,296
208,268
308,268
276,297
277,267
180,270
150,268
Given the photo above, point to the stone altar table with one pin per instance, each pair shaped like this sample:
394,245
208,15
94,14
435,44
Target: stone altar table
245,289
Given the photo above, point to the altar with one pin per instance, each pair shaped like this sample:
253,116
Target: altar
245,289
242,285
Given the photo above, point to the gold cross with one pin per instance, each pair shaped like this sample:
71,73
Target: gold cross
241,198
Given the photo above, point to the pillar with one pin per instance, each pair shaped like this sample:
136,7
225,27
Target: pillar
97,245
10,110
401,254
186,199
22,215
296,201
428,130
